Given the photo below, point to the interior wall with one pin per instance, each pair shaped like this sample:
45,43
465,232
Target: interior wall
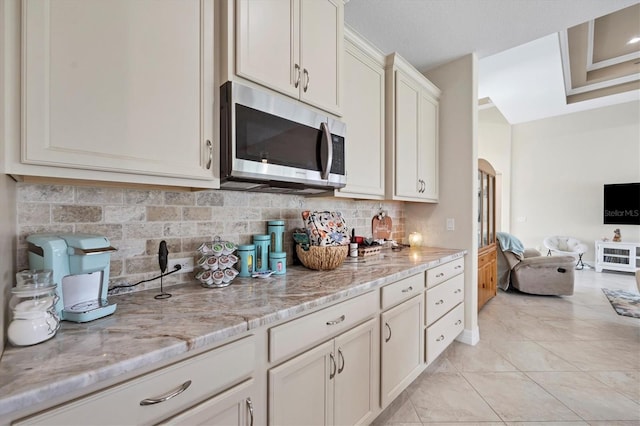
560,165
494,145
457,180
7,248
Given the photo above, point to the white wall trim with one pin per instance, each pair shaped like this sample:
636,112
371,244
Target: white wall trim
469,337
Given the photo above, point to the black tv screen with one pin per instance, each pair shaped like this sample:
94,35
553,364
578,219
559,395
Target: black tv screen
622,204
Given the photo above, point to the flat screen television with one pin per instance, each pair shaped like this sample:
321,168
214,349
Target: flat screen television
622,204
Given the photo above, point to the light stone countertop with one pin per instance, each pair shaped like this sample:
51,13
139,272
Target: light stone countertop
144,331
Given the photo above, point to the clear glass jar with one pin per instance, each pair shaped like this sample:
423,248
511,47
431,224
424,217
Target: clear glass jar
33,314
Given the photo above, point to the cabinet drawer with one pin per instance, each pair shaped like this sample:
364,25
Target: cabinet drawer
291,337
443,297
404,289
442,332
444,272
209,373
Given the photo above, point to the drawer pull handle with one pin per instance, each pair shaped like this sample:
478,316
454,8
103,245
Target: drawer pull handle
440,339
341,368
458,322
458,267
336,321
441,274
250,407
457,291
333,365
386,324
440,302
151,401
408,289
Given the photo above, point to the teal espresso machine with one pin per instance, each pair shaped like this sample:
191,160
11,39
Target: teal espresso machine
80,268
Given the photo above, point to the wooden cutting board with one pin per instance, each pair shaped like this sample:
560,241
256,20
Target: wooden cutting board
381,228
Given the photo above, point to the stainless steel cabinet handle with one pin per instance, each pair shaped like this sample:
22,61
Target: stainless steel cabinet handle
307,80
441,274
440,302
177,391
440,339
250,406
297,70
458,267
333,364
336,321
408,289
341,359
458,322
457,291
210,147
386,324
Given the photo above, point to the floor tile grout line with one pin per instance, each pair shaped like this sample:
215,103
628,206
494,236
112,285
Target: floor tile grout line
483,398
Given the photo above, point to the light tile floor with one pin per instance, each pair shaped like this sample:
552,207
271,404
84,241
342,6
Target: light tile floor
541,360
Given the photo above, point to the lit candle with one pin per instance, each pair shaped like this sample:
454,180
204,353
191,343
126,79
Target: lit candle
415,239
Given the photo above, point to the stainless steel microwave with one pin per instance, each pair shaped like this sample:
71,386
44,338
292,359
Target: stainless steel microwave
270,144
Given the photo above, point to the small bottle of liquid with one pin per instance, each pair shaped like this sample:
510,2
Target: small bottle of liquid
353,246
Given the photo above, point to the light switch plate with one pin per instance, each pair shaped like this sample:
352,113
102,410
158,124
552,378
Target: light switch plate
451,224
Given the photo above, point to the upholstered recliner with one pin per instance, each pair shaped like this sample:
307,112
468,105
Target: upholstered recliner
530,272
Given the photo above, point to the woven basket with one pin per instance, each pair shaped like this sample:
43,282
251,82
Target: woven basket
322,258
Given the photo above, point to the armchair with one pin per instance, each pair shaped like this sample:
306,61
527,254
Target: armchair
530,272
566,246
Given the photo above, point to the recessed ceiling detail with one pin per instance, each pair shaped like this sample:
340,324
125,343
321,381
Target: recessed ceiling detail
597,58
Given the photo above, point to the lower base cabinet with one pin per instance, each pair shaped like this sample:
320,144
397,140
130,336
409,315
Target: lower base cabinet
231,408
205,386
331,384
402,347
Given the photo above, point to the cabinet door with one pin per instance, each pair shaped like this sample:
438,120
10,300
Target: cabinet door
428,147
355,381
406,137
321,46
402,347
301,389
364,114
231,408
267,43
125,86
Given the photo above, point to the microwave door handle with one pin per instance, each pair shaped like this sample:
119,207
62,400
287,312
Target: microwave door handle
326,169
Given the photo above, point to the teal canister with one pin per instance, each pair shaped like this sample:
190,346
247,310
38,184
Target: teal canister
278,262
275,228
263,247
246,256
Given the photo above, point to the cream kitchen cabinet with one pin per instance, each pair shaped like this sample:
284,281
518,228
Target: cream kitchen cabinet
169,391
402,347
444,307
292,46
333,383
231,408
364,114
114,90
412,107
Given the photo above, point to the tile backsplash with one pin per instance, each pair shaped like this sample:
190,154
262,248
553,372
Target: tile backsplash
135,221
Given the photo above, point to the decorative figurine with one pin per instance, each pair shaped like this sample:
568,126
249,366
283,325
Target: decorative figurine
616,236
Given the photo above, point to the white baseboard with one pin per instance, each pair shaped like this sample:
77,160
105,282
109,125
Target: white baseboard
469,337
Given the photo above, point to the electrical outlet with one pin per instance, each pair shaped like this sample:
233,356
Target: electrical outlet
186,263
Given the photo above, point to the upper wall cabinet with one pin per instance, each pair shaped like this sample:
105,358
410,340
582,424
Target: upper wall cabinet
412,133
364,114
293,47
116,86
